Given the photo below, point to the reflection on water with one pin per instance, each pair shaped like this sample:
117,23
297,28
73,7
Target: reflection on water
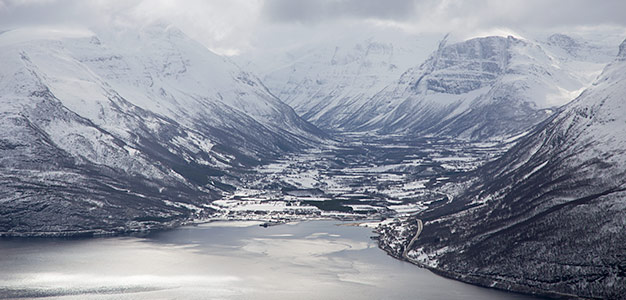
311,260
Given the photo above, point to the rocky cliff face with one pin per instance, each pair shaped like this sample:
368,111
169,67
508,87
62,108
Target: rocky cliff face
127,130
478,89
548,216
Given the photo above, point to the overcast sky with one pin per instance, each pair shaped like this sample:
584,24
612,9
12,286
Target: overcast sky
235,26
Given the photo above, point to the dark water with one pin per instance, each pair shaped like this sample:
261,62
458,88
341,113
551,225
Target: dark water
310,260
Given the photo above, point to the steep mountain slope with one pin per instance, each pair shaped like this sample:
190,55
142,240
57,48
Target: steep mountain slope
549,216
125,130
478,89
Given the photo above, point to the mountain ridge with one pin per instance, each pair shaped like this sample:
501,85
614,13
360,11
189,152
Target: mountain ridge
523,82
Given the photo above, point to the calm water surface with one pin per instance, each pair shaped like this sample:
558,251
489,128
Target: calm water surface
234,260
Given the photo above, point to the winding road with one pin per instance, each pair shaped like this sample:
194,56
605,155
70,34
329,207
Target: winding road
420,226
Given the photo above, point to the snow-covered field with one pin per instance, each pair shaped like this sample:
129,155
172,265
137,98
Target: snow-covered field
377,179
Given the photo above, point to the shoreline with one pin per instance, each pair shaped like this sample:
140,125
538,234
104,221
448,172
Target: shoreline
150,228
511,287
491,283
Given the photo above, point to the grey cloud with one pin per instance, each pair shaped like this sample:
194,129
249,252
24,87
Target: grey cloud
575,12
539,12
59,12
481,13
445,14
238,25
316,11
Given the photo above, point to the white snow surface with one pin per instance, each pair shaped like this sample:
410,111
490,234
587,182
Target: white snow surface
111,84
156,68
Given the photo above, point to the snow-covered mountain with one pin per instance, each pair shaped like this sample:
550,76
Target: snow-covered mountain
549,216
144,125
326,81
475,89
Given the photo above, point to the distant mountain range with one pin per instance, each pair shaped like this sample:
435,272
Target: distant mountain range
326,82
482,88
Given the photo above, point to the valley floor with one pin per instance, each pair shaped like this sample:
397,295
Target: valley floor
377,179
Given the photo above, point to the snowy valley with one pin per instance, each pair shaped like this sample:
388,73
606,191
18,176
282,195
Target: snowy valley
467,156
